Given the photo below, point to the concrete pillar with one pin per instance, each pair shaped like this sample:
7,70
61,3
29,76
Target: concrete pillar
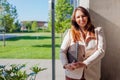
106,13
84,3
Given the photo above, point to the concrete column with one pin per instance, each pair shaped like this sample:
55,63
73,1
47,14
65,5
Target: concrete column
84,3
106,13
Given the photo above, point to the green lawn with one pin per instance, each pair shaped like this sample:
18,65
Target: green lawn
30,46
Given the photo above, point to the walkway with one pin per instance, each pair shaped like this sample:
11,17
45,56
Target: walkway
8,35
44,75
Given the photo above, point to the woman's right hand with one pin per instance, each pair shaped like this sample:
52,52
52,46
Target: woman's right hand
70,66
74,65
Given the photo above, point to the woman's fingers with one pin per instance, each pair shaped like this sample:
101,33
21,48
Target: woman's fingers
75,65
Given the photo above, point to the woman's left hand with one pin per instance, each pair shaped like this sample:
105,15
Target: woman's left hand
79,64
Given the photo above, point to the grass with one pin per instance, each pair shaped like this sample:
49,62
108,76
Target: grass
30,46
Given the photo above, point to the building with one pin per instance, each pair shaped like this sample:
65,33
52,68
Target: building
41,24
75,3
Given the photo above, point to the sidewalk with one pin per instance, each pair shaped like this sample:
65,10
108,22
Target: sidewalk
44,63
7,36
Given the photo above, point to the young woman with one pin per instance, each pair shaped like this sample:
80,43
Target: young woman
92,47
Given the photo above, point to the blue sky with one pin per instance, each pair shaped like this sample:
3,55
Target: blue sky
31,9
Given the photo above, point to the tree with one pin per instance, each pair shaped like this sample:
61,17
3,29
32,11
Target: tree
27,24
34,26
9,15
49,22
16,27
63,11
62,15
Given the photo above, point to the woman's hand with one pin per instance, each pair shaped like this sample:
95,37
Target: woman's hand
70,66
74,65
80,64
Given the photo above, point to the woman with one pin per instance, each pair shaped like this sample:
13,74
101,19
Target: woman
92,42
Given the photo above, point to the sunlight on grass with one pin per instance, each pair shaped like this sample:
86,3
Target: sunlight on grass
30,46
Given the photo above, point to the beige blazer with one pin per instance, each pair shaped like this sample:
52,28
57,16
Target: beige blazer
94,51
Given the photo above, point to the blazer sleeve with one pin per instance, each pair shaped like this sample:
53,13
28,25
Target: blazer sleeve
99,53
63,49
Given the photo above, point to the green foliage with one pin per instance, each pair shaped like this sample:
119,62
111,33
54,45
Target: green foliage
34,26
63,11
16,27
49,21
17,72
62,15
8,22
9,15
27,24
35,70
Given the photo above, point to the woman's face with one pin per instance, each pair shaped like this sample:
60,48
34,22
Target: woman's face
81,18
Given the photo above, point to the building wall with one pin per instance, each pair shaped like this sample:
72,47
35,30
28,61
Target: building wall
106,13
84,3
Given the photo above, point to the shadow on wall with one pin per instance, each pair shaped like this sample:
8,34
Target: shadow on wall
110,63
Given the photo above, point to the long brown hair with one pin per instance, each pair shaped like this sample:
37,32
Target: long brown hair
75,28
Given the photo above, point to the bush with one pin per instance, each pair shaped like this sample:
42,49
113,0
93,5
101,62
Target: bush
17,72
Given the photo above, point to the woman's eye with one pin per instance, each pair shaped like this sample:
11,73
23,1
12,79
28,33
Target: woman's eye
78,16
83,16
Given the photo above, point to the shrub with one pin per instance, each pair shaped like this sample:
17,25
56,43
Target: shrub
17,72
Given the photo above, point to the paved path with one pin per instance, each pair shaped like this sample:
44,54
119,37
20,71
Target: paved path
11,35
7,36
44,75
